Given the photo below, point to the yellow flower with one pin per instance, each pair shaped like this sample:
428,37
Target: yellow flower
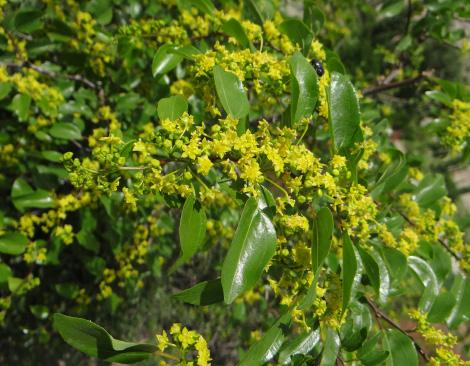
162,341
204,165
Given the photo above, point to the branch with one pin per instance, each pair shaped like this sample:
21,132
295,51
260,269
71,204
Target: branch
398,84
379,314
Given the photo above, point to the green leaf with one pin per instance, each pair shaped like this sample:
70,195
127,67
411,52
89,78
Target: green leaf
343,113
429,190
191,231
23,196
20,105
234,29
253,245
372,269
349,269
187,51
164,60
53,156
396,263
203,293
5,271
384,277
331,345
172,107
298,33
300,345
268,346
304,88
231,93
439,97
66,131
401,348
28,20
442,307
394,173
259,10
427,277
204,6
322,233
95,341
5,89
370,353
13,243
313,16
461,311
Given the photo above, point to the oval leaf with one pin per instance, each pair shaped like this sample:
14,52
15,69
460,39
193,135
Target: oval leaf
401,348
203,293
331,344
191,231
95,341
268,346
234,29
13,243
349,269
322,234
304,87
251,249
300,345
231,93
66,131
172,108
164,60
343,113
427,277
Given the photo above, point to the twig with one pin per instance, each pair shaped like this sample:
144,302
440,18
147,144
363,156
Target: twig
379,314
398,84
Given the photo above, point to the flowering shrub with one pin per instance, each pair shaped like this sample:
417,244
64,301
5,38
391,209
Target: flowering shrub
138,139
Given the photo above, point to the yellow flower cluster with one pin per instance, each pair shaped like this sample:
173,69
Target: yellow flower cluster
184,342
444,342
458,132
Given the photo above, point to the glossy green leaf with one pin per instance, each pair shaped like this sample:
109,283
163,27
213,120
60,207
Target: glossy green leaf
384,277
371,354
234,29
268,346
343,113
427,277
172,107
298,33
349,269
95,341
396,263
394,173
300,345
66,131
331,344
430,189
323,226
304,88
5,89
164,60
442,307
192,230
5,271
461,311
439,97
23,196
401,348
187,51
372,269
53,156
203,293
358,324
20,105
253,245
231,93
13,243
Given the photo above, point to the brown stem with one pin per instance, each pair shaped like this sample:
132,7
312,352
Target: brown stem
398,84
379,314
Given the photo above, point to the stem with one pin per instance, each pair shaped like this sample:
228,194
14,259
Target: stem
277,186
398,84
167,355
379,314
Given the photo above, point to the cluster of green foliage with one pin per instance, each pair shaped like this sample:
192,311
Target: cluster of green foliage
277,175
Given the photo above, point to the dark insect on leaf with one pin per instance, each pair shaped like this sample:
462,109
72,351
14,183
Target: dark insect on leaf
318,66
